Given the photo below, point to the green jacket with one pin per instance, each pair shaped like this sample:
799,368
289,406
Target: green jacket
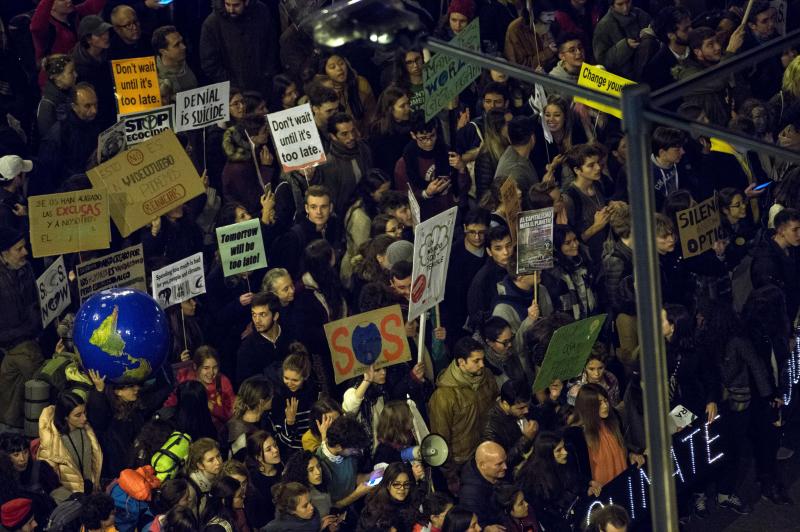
610,45
710,95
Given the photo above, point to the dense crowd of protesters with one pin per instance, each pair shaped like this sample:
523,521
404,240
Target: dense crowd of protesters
249,430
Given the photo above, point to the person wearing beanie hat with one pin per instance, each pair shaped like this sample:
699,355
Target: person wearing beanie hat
13,211
399,250
459,14
20,324
17,514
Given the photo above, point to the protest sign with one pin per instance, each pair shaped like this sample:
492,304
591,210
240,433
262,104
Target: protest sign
53,287
535,244
123,269
568,351
296,138
413,204
509,198
601,80
433,239
780,7
241,248
110,142
136,84
202,106
69,222
147,180
179,281
699,227
375,337
145,125
444,77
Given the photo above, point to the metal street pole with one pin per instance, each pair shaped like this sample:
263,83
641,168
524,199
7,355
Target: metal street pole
652,349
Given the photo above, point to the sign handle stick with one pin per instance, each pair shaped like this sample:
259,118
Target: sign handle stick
183,326
438,317
533,30
536,287
747,13
248,283
421,339
205,167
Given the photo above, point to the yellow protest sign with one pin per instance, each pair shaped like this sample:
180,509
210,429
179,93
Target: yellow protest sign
69,222
136,84
147,180
596,78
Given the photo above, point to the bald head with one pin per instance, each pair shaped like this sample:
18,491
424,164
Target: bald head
490,457
84,102
126,23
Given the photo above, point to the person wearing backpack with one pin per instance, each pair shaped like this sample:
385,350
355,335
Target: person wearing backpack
132,493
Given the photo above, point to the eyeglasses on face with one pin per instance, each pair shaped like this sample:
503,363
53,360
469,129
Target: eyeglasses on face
401,485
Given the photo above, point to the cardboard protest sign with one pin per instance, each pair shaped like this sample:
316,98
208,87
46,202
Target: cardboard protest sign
780,7
69,222
202,106
53,287
413,204
147,180
296,138
445,77
601,80
375,337
136,84
699,227
535,244
145,125
241,248
568,351
122,269
179,281
509,198
433,240
111,141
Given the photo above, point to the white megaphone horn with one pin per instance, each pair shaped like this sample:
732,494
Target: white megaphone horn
432,450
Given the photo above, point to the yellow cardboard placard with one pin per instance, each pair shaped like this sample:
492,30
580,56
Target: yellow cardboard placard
147,180
136,84
377,336
601,80
69,222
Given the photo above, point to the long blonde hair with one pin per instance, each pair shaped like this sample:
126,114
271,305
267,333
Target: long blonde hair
791,78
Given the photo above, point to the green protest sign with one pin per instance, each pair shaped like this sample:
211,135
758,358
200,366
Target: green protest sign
444,77
568,350
241,248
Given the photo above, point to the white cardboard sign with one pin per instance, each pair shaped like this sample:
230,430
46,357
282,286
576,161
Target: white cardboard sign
53,287
202,106
179,281
433,240
296,138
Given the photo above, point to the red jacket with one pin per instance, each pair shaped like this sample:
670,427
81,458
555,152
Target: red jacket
51,36
221,397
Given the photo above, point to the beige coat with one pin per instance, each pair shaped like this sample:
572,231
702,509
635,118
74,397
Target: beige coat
53,451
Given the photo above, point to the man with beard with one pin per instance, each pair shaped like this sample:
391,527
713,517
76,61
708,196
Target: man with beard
672,26
239,42
264,347
174,73
705,51
459,406
20,325
349,158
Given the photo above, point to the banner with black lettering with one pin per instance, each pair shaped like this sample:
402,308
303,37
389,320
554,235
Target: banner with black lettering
202,106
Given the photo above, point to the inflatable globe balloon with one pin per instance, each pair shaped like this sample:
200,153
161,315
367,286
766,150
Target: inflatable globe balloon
121,333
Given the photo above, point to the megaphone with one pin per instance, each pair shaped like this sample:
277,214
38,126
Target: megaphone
432,450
